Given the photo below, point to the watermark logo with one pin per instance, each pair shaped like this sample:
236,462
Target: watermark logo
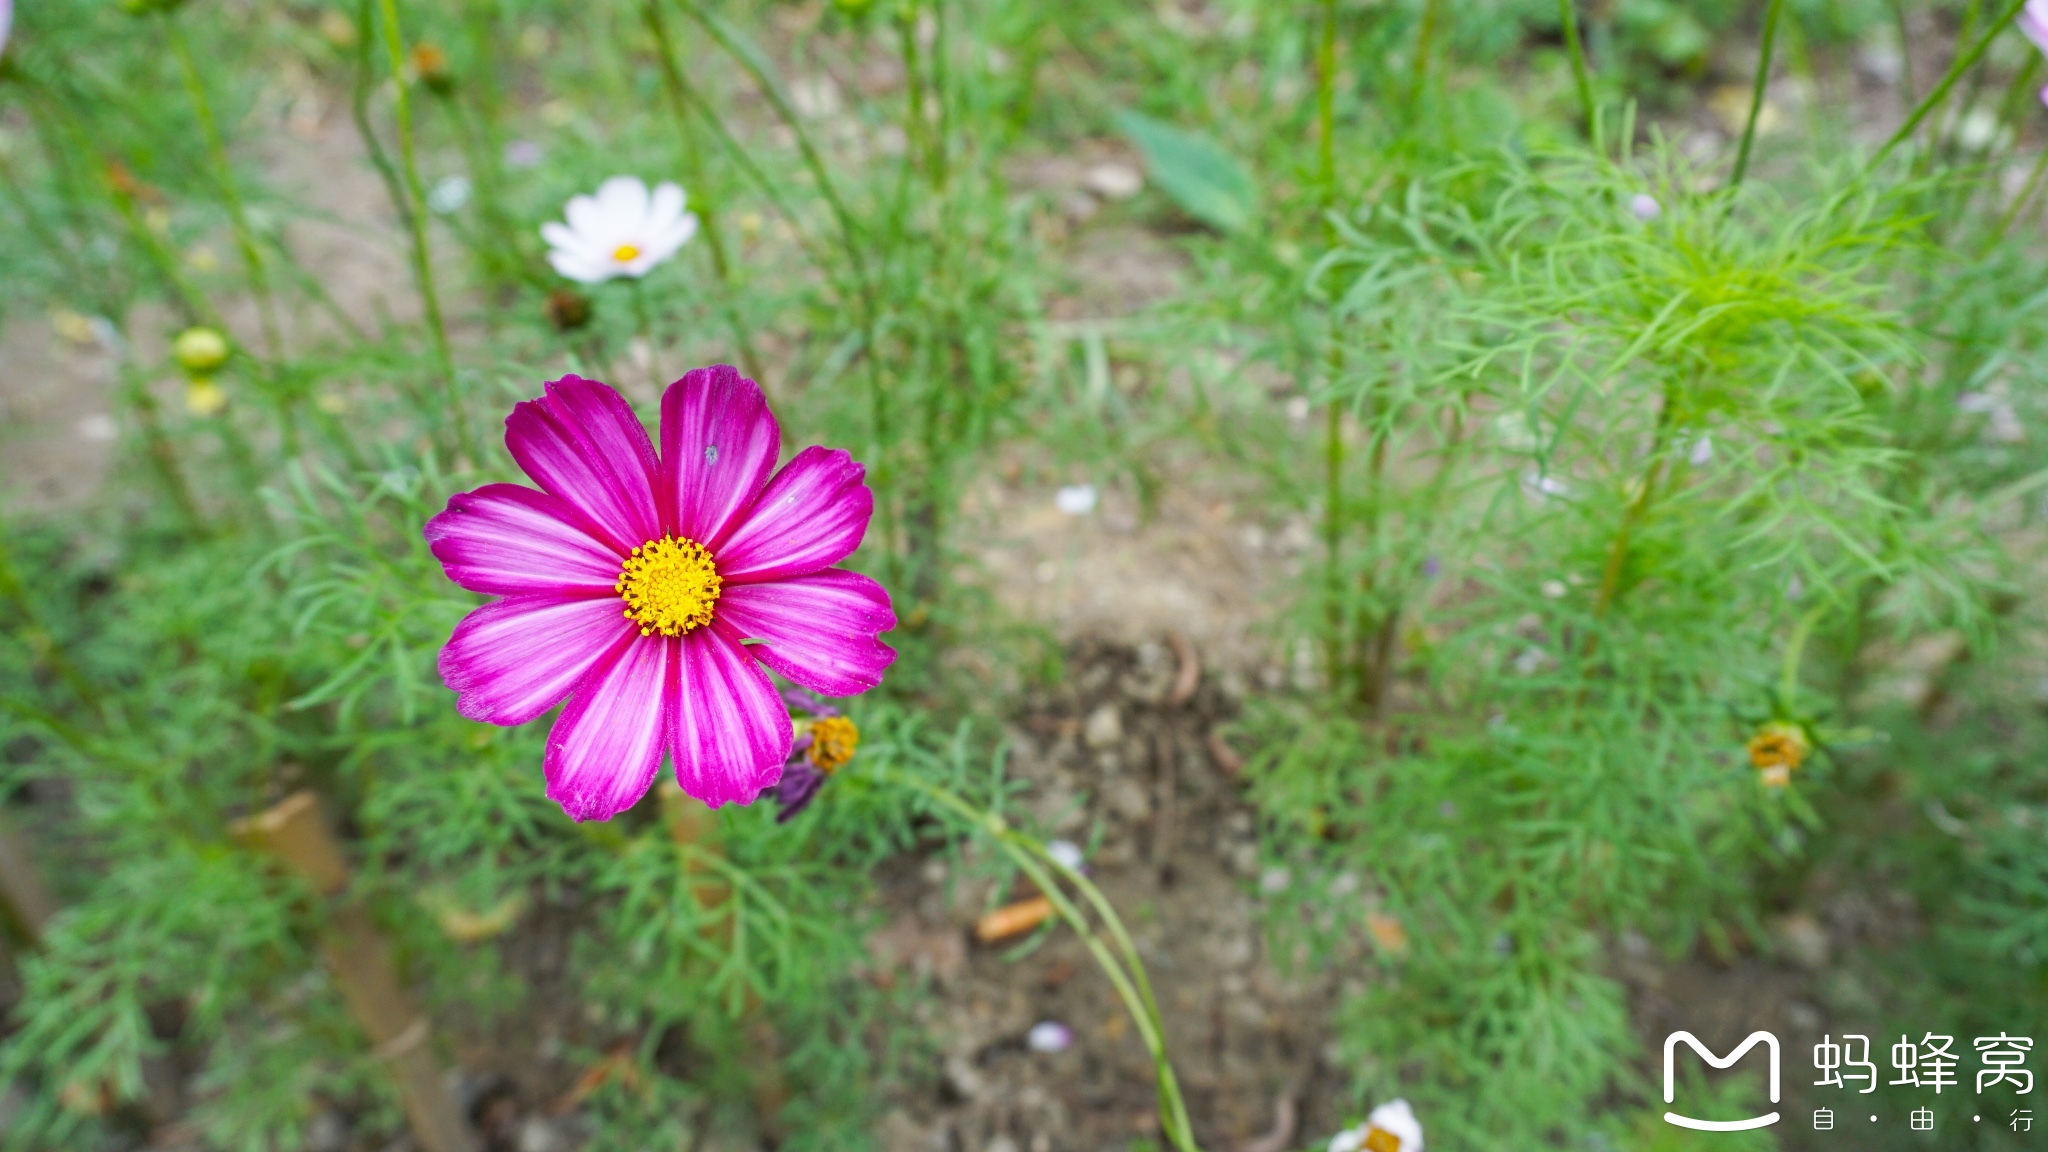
1671,1086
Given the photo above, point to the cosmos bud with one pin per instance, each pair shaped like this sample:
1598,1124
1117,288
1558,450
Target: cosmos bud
200,350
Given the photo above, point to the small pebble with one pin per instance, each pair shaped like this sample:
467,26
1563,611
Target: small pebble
1076,499
1049,1036
1066,854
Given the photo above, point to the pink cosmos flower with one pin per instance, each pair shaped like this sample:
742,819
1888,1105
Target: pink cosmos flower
649,591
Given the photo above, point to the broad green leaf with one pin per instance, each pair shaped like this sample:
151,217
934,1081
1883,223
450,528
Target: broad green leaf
1194,171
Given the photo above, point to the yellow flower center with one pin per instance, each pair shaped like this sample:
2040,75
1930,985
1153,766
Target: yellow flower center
626,253
1378,1139
833,740
669,586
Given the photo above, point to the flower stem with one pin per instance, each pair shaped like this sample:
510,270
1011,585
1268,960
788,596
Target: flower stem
1756,94
2019,203
1425,42
1568,16
679,97
646,333
1117,955
1333,412
422,258
849,233
230,193
1928,103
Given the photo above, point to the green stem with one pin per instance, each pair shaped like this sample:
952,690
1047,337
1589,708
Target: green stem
640,314
1117,956
40,640
230,192
815,163
1940,91
1795,648
163,457
679,97
1632,517
2019,203
1568,16
1326,98
422,258
1905,53
1333,427
1756,94
1425,42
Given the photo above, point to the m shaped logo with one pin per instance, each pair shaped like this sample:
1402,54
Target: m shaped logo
1713,1061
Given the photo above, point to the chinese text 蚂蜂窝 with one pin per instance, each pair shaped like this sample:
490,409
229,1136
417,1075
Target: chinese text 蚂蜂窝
1930,1062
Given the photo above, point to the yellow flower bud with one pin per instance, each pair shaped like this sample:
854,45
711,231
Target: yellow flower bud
200,349
205,398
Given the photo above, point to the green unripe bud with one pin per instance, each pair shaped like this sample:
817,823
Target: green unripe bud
200,350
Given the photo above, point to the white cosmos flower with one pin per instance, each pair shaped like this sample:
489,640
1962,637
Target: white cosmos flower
1392,1127
621,231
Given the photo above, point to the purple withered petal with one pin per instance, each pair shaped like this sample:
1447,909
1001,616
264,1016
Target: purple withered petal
802,699
797,788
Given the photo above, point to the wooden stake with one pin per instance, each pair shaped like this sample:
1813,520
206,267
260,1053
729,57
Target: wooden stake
296,834
24,901
692,824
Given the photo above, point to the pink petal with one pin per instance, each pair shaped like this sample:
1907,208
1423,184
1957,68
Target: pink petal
505,539
818,630
607,745
732,732
809,517
581,442
718,445
513,659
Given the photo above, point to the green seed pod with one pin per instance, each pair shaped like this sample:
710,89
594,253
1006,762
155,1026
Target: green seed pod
200,350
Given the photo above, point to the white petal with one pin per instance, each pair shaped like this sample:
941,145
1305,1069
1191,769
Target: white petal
562,239
578,269
665,209
587,218
624,200
678,235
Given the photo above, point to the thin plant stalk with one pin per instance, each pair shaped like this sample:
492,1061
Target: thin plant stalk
881,418
813,161
1333,412
708,208
1425,43
1905,53
42,643
1568,16
1117,955
230,191
2019,203
1756,94
1928,103
422,258
646,323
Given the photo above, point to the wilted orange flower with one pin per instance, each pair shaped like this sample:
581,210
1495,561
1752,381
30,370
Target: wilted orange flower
1777,749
